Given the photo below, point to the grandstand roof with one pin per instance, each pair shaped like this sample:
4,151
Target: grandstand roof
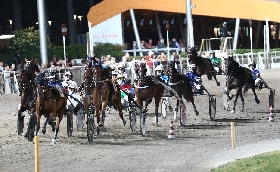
244,9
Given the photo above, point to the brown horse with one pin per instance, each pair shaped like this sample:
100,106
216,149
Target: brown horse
86,88
181,85
103,94
146,89
49,103
203,65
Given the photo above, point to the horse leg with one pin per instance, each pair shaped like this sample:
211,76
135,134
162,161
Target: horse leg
235,99
56,128
119,107
176,110
157,101
38,124
97,112
242,100
194,107
256,97
214,76
45,125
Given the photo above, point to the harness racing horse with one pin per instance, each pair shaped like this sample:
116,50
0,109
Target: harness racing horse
104,94
49,103
181,85
28,95
203,65
27,101
146,89
237,77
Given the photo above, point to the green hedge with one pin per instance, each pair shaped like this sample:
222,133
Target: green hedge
80,51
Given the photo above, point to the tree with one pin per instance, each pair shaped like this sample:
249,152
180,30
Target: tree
28,41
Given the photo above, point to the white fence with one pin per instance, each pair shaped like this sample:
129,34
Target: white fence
262,60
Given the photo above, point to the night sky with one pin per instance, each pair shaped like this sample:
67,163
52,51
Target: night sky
56,11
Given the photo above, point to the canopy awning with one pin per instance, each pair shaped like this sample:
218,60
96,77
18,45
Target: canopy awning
244,9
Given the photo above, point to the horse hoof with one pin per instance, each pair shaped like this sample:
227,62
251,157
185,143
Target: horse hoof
124,122
53,141
218,84
242,110
233,111
197,113
44,131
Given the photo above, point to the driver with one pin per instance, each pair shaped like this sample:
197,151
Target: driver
68,79
193,76
256,75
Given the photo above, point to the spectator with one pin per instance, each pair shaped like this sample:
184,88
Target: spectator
175,44
1,67
74,63
224,32
68,62
17,59
134,45
162,58
149,60
13,67
50,64
143,44
150,44
160,45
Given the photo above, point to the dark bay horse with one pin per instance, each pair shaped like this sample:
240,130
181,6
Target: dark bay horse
237,77
146,89
181,84
27,94
203,65
49,103
104,93
27,101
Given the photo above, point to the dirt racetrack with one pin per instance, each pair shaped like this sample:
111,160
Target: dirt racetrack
199,146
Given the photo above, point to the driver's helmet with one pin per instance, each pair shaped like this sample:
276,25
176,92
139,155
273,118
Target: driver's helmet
192,66
159,68
52,76
212,52
121,68
68,76
114,72
253,64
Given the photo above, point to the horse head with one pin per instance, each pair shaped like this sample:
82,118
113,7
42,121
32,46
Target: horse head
31,67
231,65
41,82
192,54
96,74
141,71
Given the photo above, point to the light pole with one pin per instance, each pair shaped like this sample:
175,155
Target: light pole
11,24
50,28
75,28
80,28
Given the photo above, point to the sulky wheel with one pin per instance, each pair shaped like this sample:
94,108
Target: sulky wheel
132,118
143,122
182,114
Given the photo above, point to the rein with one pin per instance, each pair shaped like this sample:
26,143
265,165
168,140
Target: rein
174,83
136,86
